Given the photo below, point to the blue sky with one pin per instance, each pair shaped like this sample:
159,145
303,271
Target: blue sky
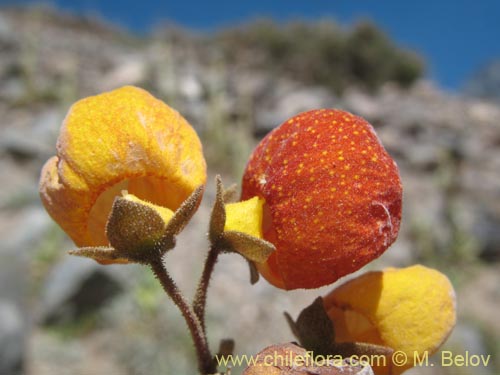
456,37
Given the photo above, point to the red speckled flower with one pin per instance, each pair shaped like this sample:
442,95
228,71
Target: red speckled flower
332,197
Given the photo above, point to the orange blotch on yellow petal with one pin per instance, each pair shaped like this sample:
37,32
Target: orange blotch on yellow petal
411,310
125,139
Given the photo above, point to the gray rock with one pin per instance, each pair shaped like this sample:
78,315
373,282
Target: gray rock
46,125
18,190
31,226
35,140
22,147
423,156
12,339
361,104
190,87
12,89
76,287
7,32
129,70
13,280
287,101
21,233
250,83
487,234
485,83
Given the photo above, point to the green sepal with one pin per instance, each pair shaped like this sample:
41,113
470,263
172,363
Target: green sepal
139,234
254,273
100,254
315,332
181,218
134,229
218,217
313,328
226,347
252,248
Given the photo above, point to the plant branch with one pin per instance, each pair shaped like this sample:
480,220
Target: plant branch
200,299
205,360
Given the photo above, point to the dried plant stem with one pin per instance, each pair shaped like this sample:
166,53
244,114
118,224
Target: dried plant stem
205,360
200,299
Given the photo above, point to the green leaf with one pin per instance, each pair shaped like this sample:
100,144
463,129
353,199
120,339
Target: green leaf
252,248
218,217
313,328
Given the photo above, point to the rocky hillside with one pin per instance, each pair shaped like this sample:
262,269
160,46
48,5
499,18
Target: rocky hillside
485,83
447,147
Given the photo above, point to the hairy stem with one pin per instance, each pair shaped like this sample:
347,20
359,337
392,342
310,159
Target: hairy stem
205,360
200,299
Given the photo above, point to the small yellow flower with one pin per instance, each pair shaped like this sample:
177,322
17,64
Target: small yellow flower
410,310
125,139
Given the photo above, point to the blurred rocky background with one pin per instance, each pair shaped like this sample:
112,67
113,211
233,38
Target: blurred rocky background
62,315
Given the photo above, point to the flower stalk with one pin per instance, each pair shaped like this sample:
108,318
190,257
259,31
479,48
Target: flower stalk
200,299
196,328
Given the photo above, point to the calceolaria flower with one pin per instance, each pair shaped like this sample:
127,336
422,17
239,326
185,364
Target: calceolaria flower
410,310
332,197
125,139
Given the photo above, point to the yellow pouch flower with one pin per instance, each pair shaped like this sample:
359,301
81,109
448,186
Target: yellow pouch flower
125,139
410,310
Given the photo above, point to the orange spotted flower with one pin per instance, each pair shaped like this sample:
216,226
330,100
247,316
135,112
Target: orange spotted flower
121,140
332,197
410,310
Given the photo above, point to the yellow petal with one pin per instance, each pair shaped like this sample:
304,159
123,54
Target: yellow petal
410,309
245,217
121,140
